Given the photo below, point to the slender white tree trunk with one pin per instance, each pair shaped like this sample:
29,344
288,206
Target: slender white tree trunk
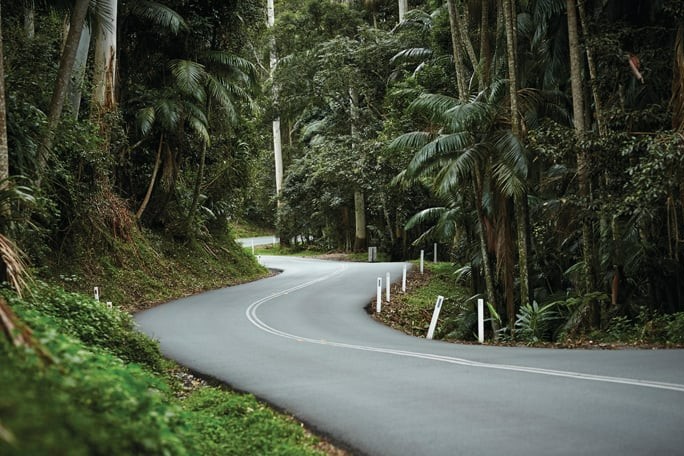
403,8
277,140
104,71
76,84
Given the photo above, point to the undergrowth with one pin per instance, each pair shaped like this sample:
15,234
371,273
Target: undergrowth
148,269
536,324
106,390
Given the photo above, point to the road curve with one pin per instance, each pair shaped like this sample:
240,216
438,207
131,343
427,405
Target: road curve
301,341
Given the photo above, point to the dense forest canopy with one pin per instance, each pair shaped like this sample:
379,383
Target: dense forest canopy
538,142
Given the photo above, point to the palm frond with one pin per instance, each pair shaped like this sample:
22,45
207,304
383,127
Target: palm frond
510,170
455,172
433,105
428,215
144,119
441,149
231,62
168,112
411,55
189,77
411,141
197,121
159,14
473,116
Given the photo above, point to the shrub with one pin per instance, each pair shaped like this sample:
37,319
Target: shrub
533,323
92,322
675,328
85,403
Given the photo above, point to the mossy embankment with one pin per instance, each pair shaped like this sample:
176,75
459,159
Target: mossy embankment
88,383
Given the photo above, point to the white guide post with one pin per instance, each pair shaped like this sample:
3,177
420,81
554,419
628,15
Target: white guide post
96,292
275,241
435,256
109,304
387,287
403,281
435,316
378,303
480,320
422,260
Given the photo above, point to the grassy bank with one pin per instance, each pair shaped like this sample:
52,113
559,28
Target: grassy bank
91,384
411,312
146,270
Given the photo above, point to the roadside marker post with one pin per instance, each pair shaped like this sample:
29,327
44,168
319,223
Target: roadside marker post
387,287
378,304
422,260
435,249
109,304
480,320
403,281
96,291
435,316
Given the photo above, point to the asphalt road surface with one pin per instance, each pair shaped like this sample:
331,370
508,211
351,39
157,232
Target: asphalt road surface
302,341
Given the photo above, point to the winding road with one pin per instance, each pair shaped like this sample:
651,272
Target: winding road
302,342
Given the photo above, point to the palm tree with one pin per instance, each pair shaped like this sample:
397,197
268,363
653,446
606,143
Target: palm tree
467,147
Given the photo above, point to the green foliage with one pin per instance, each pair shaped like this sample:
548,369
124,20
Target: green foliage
215,413
647,327
86,401
533,323
90,321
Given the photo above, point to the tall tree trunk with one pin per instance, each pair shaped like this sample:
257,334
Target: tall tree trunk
403,8
360,241
4,149
359,199
677,100
277,140
66,65
469,49
510,27
521,209
30,18
457,52
591,64
484,250
583,174
104,67
153,179
196,190
75,92
485,62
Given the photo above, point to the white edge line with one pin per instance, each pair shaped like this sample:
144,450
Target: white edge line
251,315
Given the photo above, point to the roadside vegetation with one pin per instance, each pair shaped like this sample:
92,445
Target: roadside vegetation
539,143
535,325
86,382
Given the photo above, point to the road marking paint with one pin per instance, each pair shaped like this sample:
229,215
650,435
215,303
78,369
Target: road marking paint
251,314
